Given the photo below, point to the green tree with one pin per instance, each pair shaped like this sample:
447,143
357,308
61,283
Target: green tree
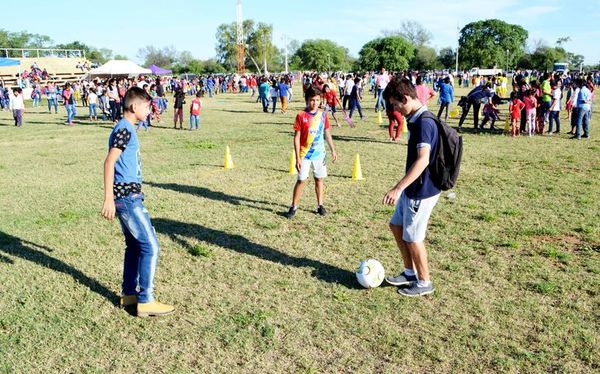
321,55
162,57
491,43
544,57
447,58
425,58
260,46
391,52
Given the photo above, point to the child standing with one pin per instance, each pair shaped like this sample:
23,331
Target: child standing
195,108
35,96
92,99
123,197
311,131
69,100
179,99
530,111
17,105
515,108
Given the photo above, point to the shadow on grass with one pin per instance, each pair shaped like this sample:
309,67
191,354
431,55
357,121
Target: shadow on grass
35,253
346,138
177,231
240,111
213,195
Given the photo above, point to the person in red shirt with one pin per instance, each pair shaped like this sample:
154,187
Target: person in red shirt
330,99
195,108
311,131
514,109
394,117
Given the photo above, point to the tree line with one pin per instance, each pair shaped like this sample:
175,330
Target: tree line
486,43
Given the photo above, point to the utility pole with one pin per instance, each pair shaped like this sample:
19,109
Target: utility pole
457,46
285,43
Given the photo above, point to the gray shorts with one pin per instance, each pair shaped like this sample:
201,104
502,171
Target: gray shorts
413,215
318,166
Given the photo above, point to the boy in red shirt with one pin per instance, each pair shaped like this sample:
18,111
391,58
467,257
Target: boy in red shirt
195,108
311,130
330,98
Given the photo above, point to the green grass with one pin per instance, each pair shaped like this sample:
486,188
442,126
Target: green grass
515,257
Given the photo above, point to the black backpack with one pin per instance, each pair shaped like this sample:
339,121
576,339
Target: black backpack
446,162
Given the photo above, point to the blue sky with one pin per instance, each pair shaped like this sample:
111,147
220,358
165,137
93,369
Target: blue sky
125,26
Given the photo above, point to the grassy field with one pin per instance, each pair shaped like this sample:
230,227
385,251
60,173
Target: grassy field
515,257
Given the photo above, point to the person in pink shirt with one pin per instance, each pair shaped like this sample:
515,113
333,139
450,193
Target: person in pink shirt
381,83
530,111
424,93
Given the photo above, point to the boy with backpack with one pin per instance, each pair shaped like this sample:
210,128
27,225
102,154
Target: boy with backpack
432,163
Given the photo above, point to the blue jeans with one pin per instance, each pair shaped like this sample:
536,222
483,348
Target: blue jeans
355,104
36,101
194,119
554,117
583,120
93,110
70,112
142,250
380,100
52,101
265,103
274,100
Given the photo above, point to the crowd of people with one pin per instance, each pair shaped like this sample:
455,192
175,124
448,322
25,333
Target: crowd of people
535,102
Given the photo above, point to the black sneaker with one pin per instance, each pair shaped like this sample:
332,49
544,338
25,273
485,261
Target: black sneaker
321,210
291,213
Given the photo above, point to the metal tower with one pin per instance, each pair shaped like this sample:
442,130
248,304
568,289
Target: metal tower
241,67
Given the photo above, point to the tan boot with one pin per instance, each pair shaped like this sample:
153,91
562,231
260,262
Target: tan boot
128,300
154,308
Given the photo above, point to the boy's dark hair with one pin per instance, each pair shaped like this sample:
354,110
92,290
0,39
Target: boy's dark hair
446,80
134,94
325,86
311,91
198,94
398,88
513,95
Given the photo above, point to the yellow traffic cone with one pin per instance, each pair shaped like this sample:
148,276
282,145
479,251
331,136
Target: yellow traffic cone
379,119
228,160
293,170
357,170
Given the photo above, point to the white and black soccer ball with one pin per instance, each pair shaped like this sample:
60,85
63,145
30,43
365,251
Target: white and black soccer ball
370,273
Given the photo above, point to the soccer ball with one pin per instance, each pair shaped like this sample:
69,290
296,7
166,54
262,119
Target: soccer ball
370,273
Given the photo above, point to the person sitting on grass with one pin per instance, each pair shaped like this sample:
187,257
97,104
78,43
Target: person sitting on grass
415,195
311,130
123,196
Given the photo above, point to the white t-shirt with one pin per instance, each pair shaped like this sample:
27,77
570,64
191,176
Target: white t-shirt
92,98
556,94
349,86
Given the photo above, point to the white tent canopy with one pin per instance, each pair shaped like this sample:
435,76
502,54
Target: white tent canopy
118,68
